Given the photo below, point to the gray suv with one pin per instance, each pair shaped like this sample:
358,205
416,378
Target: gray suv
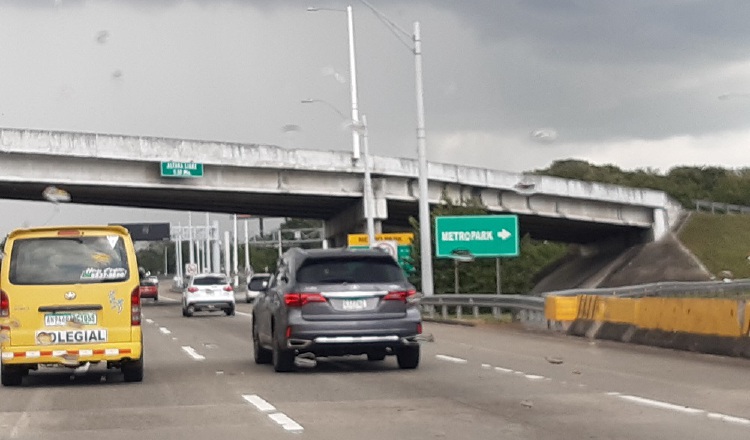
336,302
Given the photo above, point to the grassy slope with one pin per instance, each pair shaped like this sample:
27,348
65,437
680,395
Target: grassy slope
720,241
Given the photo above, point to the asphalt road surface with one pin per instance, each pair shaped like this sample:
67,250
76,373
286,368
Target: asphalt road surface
499,382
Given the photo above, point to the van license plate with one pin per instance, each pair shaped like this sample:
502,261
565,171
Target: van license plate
354,304
61,319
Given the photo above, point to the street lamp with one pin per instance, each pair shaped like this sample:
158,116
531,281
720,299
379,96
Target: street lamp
359,128
352,74
425,236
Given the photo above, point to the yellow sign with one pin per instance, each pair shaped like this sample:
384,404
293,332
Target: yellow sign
403,238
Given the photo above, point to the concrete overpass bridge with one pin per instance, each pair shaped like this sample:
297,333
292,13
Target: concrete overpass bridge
267,180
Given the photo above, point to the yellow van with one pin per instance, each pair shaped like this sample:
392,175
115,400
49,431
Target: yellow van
69,296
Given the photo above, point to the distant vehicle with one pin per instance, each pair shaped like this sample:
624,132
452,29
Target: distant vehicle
74,294
208,293
257,283
150,288
334,302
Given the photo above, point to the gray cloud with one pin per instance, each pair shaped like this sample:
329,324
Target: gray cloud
235,70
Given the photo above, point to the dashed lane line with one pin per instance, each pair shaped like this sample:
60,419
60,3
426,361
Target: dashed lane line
194,354
680,408
283,420
447,358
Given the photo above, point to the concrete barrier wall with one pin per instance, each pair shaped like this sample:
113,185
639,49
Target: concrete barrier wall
716,326
691,315
561,308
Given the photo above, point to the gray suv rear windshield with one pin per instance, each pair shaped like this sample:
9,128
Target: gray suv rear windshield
350,270
68,260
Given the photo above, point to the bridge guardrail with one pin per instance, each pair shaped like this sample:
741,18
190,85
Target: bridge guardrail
524,307
532,307
663,289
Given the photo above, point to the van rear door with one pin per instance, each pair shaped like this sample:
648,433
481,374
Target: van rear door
69,286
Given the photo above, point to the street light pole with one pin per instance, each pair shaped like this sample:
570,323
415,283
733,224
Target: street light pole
368,195
353,82
359,128
425,235
352,74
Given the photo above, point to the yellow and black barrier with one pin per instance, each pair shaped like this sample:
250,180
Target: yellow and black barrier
706,325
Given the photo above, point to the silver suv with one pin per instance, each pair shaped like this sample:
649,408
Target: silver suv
337,302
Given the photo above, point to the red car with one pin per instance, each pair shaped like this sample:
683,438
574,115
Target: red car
150,288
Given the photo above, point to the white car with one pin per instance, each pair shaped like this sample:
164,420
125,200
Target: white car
208,293
257,283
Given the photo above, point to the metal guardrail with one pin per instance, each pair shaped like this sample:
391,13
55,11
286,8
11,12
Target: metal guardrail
531,307
716,207
524,307
665,289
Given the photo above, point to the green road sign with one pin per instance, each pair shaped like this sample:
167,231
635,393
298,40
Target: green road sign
181,169
404,257
478,235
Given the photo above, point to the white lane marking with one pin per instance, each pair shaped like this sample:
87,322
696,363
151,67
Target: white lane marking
249,315
486,366
259,402
729,419
657,403
503,370
286,422
684,409
166,298
164,330
456,360
533,377
191,351
149,320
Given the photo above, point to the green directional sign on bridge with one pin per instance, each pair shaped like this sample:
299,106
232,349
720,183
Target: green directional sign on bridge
477,235
181,169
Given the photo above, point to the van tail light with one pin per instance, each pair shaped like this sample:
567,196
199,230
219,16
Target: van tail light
135,306
192,289
419,328
400,295
288,332
300,299
228,288
4,304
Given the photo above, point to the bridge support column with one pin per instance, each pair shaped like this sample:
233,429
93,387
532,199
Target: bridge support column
352,220
661,223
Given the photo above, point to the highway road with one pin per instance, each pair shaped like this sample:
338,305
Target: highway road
490,382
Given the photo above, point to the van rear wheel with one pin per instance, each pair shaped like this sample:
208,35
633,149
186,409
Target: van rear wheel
133,371
10,376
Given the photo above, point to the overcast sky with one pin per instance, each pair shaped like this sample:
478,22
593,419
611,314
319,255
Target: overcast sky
637,83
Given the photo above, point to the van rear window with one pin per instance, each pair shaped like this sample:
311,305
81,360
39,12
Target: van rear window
68,260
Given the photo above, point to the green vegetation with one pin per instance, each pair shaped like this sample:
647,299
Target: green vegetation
685,184
721,242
